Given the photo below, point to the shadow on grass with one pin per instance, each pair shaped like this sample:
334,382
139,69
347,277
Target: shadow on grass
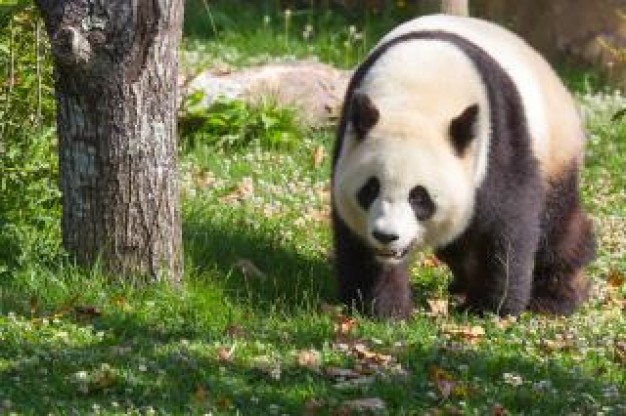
282,279
181,379
152,367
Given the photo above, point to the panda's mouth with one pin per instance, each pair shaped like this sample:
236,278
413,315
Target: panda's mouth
387,254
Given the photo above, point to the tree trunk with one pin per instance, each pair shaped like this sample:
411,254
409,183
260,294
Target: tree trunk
456,7
116,89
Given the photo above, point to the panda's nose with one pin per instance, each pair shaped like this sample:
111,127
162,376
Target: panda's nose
385,238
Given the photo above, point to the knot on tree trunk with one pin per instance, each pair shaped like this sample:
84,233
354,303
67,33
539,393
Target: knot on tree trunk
71,48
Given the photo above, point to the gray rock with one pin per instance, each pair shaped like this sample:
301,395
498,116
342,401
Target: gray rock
314,89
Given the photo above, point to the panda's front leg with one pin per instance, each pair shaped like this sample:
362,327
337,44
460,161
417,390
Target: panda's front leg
363,283
500,276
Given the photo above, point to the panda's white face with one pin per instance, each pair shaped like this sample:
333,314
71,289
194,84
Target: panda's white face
396,196
414,149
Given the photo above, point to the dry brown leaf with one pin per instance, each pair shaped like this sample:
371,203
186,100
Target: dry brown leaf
87,311
318,156
204,179
200,394
249,269
615,279
445,384
620,352
438,307
235,331
363,353
310,359
344,324
505,322
244,190
431,261
471,334
224,354
313,407
498,410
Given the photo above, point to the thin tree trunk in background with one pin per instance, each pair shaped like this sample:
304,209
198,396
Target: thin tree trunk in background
116,88
455,7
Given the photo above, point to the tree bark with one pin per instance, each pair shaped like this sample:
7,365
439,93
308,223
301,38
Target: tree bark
456,7
116,89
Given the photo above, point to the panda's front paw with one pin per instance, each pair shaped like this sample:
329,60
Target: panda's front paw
392,296
388,306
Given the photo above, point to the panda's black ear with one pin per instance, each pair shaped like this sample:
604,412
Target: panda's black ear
462,129
363,114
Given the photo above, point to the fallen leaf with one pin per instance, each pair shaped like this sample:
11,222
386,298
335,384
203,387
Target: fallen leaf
310,359
102,378
204,179
505,322
87,311
34,305
235,331
438,307
225,355
445,384
223,402
620,352
363,353
344,325
615,279
313,407
431,261
243,191
442,380
318,156
498,410
200,395
471,334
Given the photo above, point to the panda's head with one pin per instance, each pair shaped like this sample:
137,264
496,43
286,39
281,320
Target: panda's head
405,178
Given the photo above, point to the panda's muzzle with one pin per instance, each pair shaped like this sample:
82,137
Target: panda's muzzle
389,254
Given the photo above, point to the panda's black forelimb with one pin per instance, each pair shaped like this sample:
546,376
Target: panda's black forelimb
363,283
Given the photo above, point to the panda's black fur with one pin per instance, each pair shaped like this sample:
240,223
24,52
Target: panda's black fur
526,243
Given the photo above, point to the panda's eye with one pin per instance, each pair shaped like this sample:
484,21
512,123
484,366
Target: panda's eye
368,192
421,202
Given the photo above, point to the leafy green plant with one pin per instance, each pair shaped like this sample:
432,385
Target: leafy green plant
29,199
234,124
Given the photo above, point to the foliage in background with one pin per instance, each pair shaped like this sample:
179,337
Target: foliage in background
29,200
247,32
235,124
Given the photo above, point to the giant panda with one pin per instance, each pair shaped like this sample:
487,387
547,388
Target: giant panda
456,135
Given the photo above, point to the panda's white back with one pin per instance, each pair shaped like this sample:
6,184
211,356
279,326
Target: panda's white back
553,121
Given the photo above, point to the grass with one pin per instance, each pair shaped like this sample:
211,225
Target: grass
255,328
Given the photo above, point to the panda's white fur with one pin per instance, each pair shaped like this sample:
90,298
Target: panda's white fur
503,200
541,91
390,152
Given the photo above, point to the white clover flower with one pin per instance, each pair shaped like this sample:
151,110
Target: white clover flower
513,379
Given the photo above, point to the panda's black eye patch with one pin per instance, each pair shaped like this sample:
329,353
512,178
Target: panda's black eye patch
422,203
368,192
